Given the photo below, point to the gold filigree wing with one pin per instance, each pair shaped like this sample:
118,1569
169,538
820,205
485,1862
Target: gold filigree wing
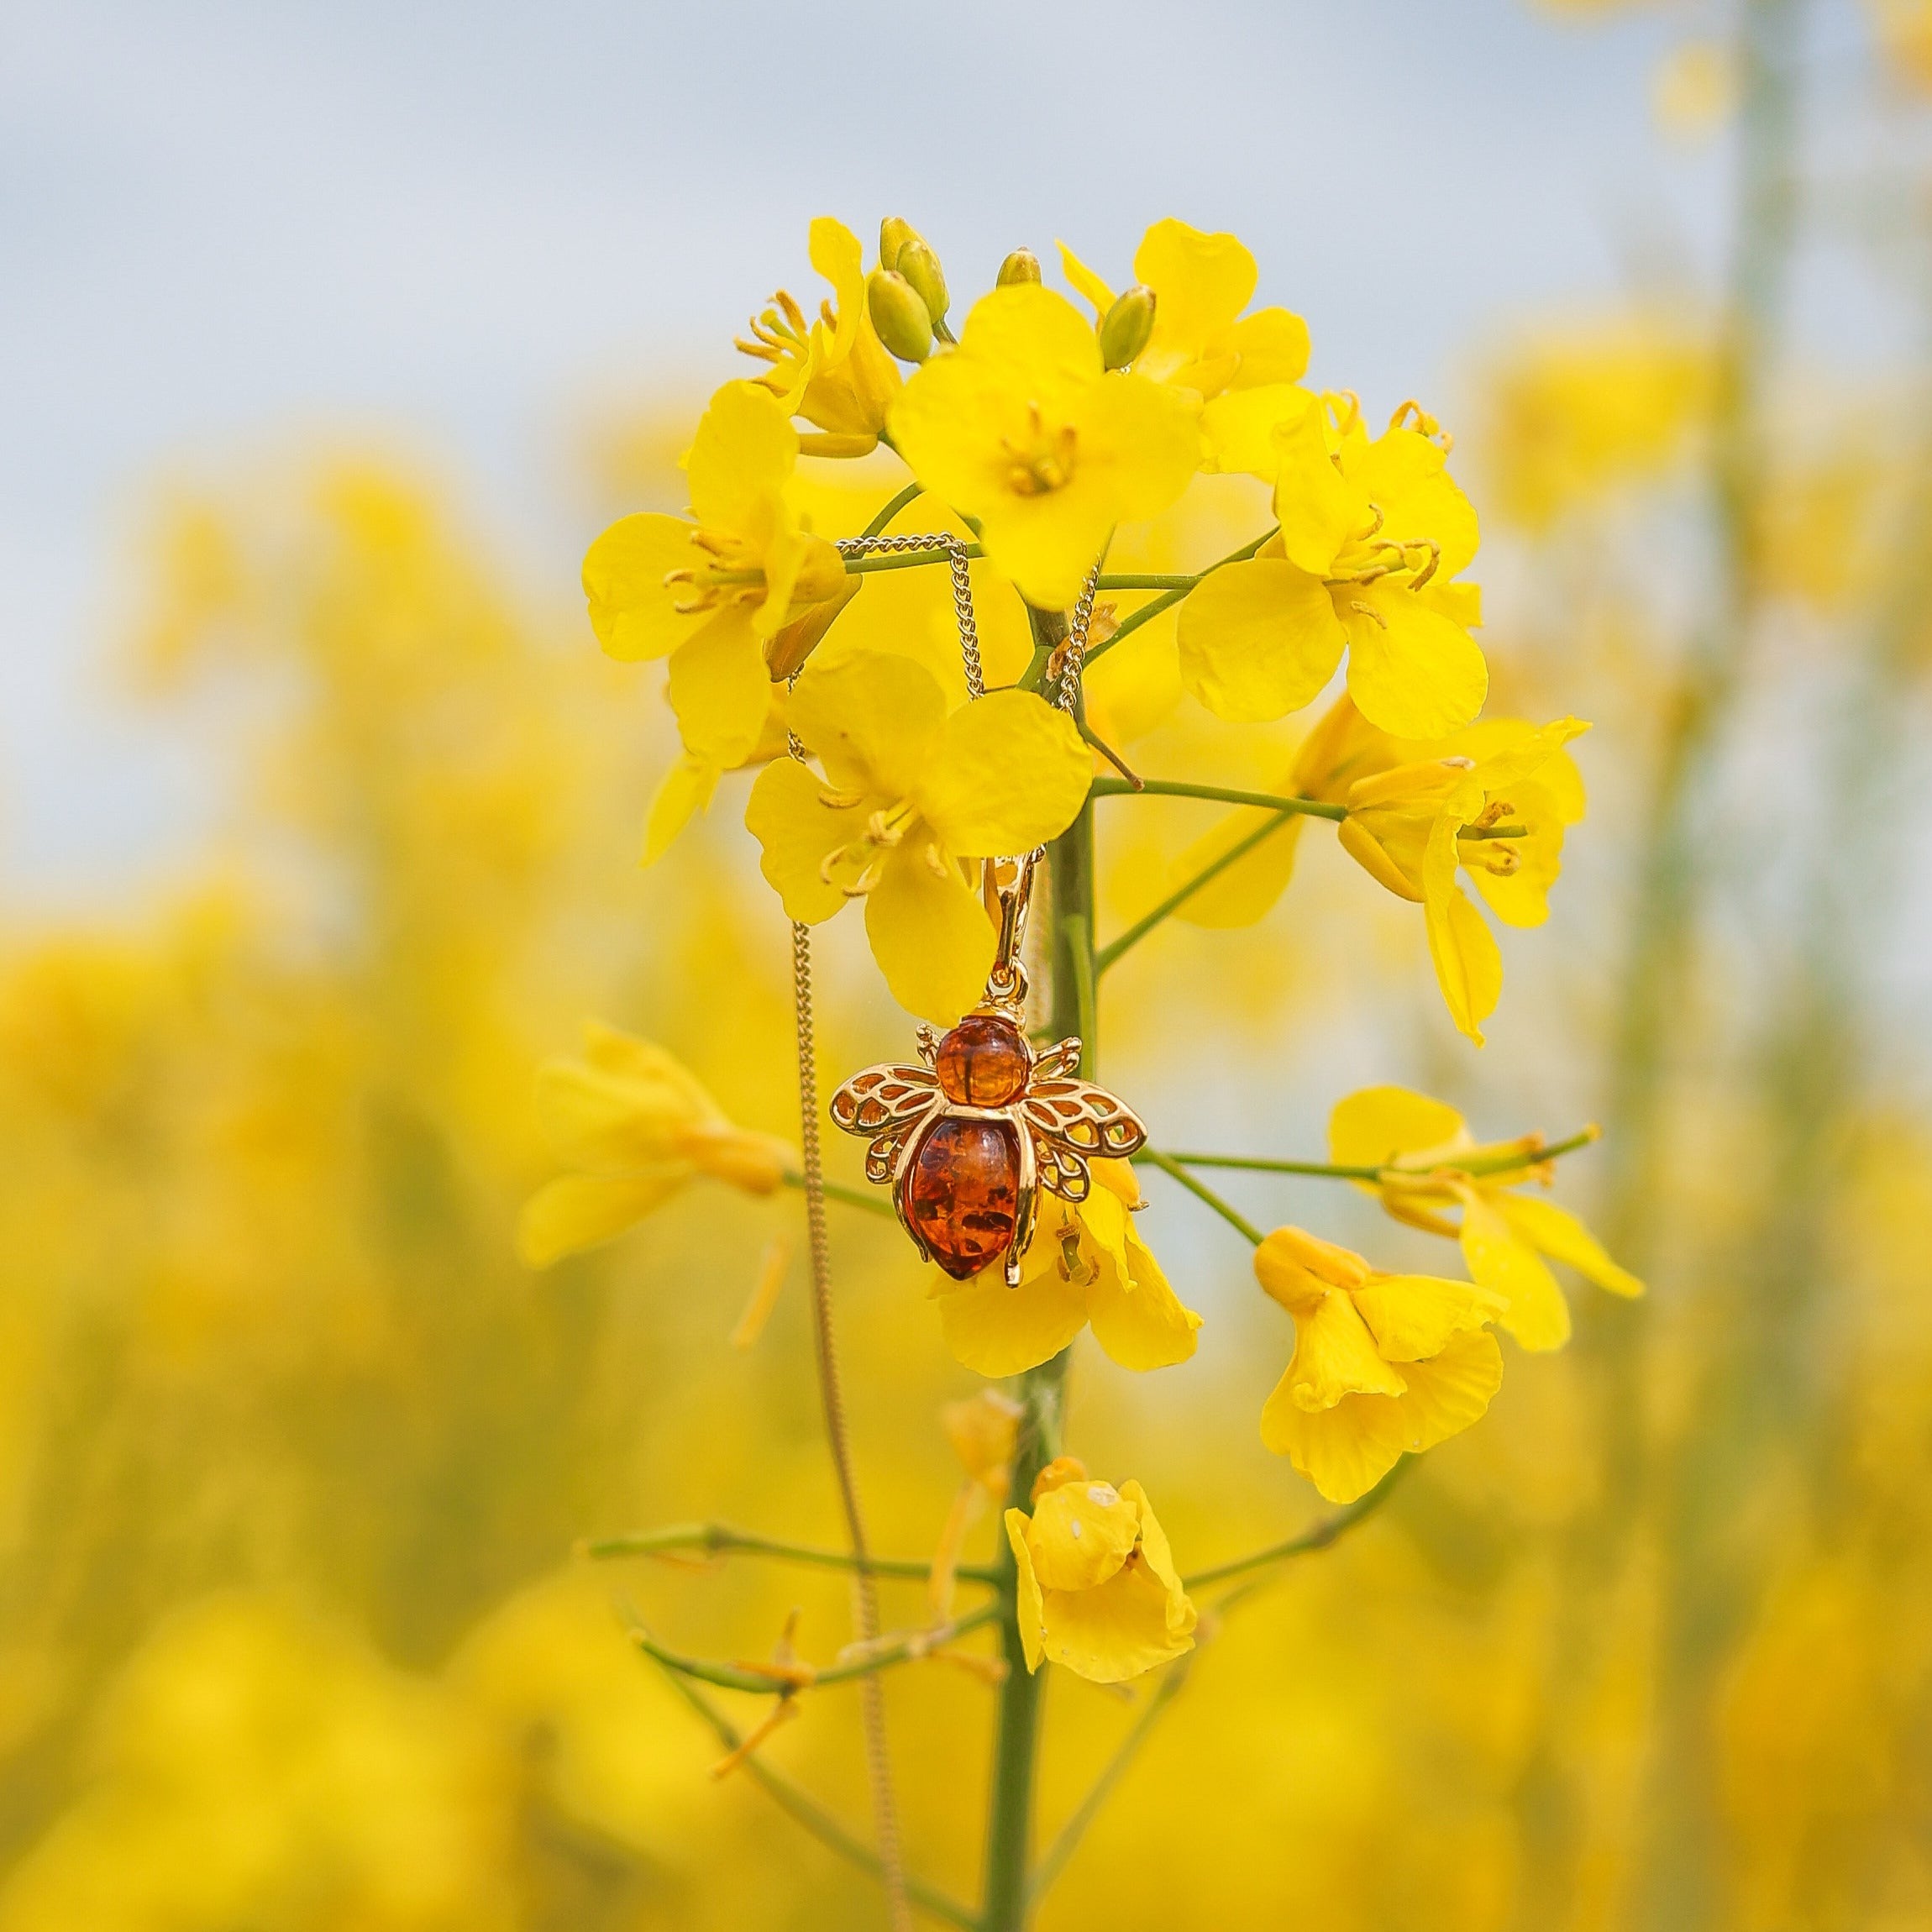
1062,1172
882,1157
882,1098
1073,1121
1059,1061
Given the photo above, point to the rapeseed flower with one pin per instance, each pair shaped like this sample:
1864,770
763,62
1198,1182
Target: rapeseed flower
711,592
1434,1164
1084,1268
909,801
635,1126
1200,339
1494,804
1372,533
1098,1590
1021,428
834,371
1383,1363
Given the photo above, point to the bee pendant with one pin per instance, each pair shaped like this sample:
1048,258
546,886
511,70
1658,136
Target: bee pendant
968,1139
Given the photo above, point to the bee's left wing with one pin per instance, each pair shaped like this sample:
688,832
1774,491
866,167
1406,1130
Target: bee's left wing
1074,1122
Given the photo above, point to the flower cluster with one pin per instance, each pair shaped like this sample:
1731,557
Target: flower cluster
1039,439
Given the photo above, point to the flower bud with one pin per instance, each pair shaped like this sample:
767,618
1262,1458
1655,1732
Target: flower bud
904,323
921,267
893,233
1127,326
1021,265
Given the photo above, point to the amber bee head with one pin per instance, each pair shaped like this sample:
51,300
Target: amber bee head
968,1139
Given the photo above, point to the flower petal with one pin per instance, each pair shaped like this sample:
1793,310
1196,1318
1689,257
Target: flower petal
1029,1608
1258,639
684,790
929,932
744,451
1272,345
721,690
1451,1390
1410,669
1319,508
1335,1356
1412,1316
1081,1533
787,816
1086,281
1344,1450
1135,1313
585,1211
1137,441
994,1330
1010,772
1115,1631
1500,1258
1561,1236
873,719
1374,1126
633,610
1202,282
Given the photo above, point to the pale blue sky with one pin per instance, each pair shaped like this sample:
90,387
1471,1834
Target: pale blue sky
451,224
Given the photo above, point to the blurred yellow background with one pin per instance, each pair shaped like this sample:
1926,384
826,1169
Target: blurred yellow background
294,1451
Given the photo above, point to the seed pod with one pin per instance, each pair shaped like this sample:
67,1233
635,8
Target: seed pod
1021,265
1125,330
904,323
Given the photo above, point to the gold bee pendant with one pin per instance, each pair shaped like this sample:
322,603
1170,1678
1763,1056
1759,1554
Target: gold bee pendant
969,1138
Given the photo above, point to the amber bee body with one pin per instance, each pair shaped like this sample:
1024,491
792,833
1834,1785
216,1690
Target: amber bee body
967,1140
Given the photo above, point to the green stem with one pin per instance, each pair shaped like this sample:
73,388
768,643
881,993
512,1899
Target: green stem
812,1815
1180,787
1202,1192
1075,1828
904,560
1149,580
892,509
908,1647
852,1197
1339,1171
1141,928
1167,601
1041,1391
721,1540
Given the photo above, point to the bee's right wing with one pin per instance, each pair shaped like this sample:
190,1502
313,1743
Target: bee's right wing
888,1103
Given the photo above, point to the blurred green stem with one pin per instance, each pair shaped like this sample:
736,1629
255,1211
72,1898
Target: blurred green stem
849,1197
1477,1168
1041,1392
721,1540
883,1653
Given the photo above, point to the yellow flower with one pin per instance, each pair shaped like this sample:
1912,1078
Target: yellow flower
1412,826
1098,1590
1085,1268
711,593
1383,1363
635,1126
1504,1235
834,372
1371,534
1021,428
1201,341
910,799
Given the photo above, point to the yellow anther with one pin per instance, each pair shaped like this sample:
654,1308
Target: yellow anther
1370,611
1043,462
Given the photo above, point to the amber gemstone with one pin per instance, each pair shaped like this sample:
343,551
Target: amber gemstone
962,1192
983,1061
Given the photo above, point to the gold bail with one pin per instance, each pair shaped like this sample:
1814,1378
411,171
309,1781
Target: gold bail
1006,984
